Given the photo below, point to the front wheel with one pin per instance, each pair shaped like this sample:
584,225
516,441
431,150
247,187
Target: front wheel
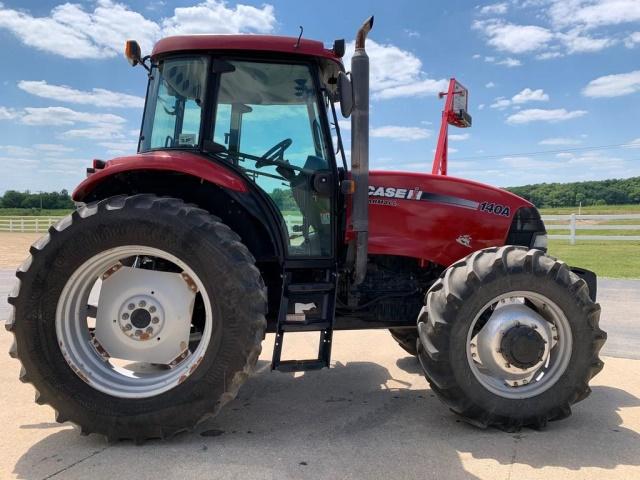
510,338
137,317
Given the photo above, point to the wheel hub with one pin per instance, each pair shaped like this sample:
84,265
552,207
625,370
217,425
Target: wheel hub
133,311
522,347
513,344
141,317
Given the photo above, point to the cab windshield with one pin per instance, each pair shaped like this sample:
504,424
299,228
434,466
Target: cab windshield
174,104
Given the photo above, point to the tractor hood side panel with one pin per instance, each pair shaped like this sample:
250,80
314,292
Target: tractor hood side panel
436,218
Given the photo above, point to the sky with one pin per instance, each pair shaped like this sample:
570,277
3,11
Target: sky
554,85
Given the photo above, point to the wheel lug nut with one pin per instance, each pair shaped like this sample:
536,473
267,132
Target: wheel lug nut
508,365
149,330
128,327
142,304
138,333
131,306
155,320
125,316
152,309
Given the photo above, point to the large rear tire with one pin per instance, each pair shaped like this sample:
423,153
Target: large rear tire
166,398
510,338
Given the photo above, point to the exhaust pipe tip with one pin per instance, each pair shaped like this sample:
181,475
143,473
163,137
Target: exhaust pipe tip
361,36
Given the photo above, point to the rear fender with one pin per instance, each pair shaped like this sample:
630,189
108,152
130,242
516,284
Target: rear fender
195,179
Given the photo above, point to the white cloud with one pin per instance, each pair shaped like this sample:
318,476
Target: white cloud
524,96
396,72
481,106
56,116
528,95
214,16
560,141
490,85
98,132
513,38
456,137
494,9
632,40
73,32
98,97
594,13
53,149
402,134
476,56
635,143
576,42
541,115
613,85
8,113
411,33
500,103
549,55
16,150
510,62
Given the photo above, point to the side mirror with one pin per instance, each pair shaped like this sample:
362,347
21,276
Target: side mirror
345,93
132,52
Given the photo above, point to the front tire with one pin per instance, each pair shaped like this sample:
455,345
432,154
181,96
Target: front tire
225,317
407,339
510,338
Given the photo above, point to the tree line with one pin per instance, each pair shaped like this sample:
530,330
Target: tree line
600,192
542,195
36,200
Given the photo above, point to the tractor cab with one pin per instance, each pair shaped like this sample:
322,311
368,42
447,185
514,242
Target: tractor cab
264,115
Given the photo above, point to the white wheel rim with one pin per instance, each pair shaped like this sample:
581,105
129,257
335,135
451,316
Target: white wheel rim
77,341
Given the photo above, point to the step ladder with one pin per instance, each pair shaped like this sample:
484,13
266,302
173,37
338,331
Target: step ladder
306,307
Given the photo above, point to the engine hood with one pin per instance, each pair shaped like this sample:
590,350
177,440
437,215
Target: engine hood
436,218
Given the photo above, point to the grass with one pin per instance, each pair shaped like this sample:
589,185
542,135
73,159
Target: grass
619,259
33,212
606,259
593,210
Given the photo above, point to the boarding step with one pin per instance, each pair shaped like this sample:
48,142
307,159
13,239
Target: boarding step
306,307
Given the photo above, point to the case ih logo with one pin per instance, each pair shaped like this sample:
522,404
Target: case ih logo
377,194
393,192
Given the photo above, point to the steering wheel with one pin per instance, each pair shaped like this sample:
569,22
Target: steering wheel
275,155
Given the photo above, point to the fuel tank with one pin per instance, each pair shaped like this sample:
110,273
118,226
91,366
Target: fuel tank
435,217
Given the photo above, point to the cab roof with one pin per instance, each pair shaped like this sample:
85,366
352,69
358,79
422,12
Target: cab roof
245,43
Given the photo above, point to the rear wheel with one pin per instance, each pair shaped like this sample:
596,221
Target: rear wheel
137,317
509,337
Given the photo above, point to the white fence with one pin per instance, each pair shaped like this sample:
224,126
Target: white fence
27,224
574,222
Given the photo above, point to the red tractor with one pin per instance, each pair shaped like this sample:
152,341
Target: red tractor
142,313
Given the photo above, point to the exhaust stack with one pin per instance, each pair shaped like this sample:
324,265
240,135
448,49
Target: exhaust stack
360,150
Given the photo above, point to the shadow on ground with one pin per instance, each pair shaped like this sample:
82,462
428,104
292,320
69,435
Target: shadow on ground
353,421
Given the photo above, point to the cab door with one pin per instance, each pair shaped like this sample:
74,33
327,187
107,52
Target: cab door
269,118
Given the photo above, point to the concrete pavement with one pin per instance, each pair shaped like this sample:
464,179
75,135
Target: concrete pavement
371,416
